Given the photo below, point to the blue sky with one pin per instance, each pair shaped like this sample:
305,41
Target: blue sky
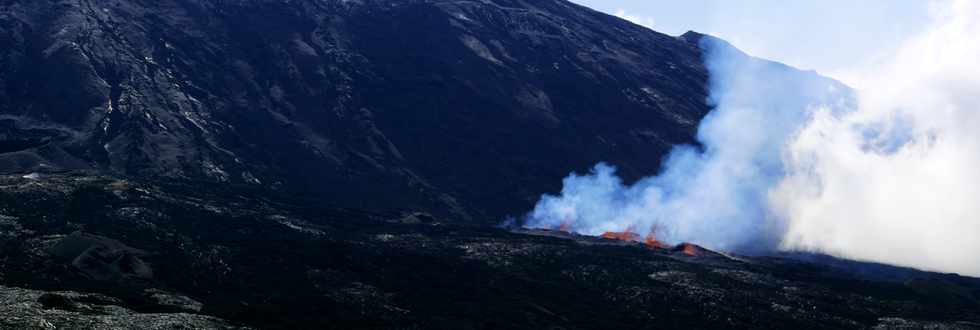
830,36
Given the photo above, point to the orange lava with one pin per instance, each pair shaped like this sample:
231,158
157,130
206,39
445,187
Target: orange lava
690,249
651,241
565,226
627,235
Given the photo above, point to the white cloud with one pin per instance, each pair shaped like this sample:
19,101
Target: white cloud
897,180
646,21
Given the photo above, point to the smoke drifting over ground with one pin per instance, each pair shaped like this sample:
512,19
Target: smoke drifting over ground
795,161
898,180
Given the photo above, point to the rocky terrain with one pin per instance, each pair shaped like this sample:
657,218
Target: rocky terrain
130,252
30,309
319,164
368,104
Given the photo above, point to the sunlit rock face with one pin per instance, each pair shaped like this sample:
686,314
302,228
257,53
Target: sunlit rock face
466,108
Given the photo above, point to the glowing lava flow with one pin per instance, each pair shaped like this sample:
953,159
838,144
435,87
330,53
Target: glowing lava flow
651,241
629,236
690,249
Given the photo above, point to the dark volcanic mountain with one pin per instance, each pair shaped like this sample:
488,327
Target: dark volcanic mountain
463,108
294,164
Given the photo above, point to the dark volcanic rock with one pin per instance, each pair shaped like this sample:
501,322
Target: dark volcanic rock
269,263
306,164
101,258
31,309
463,108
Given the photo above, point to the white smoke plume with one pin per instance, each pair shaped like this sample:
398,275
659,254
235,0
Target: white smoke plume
898,180
715,194
793,161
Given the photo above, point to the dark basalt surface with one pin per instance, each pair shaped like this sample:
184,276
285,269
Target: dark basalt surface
468,109
32,309
309,164
171,250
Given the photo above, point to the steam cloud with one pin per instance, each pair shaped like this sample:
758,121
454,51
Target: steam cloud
795,161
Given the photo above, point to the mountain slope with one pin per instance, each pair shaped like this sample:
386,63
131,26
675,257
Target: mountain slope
271,163
465,108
